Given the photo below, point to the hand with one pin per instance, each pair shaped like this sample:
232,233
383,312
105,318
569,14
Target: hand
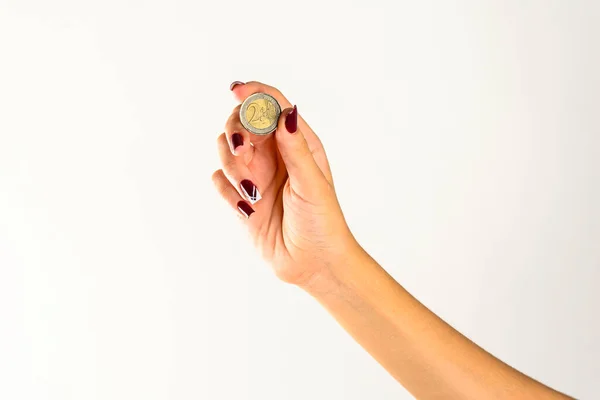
282,188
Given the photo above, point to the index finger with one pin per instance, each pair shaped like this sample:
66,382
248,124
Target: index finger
242,90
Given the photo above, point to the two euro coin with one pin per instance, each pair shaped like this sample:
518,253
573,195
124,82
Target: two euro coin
259,113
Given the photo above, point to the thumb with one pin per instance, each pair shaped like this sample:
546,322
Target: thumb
306,178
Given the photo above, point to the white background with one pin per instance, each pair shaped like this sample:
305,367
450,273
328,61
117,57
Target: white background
465,142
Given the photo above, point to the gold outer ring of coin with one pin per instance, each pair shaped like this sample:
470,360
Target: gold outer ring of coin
259,113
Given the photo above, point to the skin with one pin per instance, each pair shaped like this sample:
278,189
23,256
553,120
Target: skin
300,231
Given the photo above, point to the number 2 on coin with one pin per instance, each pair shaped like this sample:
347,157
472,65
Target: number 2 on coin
252,108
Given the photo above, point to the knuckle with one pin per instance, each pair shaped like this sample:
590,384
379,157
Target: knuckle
278,94
216,176
301,146
222,190
255,86
220,183
255,83
236,111
222,137
272,90
233,122
229,165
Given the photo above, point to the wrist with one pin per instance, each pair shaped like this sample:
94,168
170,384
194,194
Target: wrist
339,265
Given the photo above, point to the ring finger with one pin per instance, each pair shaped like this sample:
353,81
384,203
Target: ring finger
237,172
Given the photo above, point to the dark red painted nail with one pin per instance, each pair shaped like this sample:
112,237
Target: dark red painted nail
291,121
250,190
245,208
237,140
234,84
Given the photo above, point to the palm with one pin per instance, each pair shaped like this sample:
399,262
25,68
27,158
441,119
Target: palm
267,232
285,219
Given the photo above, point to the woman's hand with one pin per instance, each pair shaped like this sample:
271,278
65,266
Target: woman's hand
281,186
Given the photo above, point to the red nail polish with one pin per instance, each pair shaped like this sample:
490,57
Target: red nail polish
237,140
234,84
245,208
291,121
250,190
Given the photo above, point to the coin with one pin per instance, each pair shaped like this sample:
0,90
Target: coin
259,113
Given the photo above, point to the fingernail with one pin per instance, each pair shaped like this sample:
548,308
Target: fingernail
250,190
291,121
245,208
236,140
234,84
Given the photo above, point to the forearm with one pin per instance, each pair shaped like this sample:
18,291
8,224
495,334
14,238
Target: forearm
426,355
